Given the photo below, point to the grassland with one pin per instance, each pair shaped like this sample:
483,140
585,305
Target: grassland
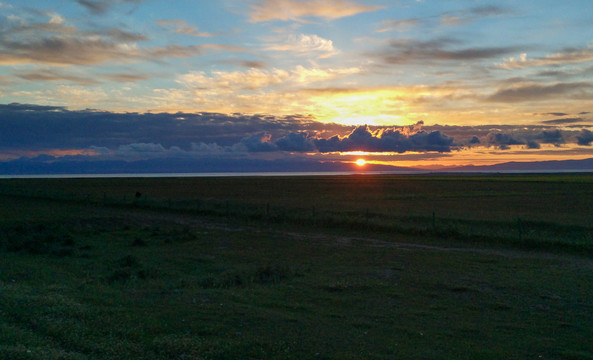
350,267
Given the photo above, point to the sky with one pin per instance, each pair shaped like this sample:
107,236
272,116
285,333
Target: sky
414,83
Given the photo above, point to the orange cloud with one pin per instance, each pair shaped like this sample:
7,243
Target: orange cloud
297,10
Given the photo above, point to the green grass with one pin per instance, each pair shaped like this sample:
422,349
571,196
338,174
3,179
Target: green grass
84,279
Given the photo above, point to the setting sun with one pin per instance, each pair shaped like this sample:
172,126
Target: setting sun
360,162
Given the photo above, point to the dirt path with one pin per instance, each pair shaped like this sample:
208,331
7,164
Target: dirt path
149,217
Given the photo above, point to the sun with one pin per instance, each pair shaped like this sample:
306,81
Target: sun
361,162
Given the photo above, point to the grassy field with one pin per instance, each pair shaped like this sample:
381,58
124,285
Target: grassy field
349,267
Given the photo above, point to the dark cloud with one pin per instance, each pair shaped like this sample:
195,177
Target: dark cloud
551,137
533,144
563,121
24,126
57,44
16,108
539,92
55,75
88,50
360,139
126,77
402,51
123,35
60,50
257,143
253,64
585,138
490,10
386,140
501,140
33,129
299,141
99,7
450,18
95,6
458,18
556,114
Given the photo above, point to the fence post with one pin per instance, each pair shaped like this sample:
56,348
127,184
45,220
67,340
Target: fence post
520,227
434,222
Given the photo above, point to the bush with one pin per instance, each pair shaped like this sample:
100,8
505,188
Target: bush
138,242
272,274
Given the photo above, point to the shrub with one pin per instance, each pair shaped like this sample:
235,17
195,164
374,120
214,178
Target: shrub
272,274
120,275
138,242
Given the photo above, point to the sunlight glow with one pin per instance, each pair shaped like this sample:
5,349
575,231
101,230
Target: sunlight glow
361,162
365,107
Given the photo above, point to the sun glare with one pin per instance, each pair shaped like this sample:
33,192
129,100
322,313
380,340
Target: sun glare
360,162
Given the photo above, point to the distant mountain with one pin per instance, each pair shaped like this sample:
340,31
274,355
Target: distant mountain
49,165
552,165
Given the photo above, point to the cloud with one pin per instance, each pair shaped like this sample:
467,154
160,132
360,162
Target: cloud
386,140
526,137
400,140
449,18
54,43
54,75
29,130
401,25
306,45
100,7
181,27
538,92
95,6
566,56
294,10
121,35
551,137
252,64
260,142
298,141
402,51
211,148
257,79
142,148
533,145
24,126
556,114
563,121
470,15
502,140
126,77
59,50
585,137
